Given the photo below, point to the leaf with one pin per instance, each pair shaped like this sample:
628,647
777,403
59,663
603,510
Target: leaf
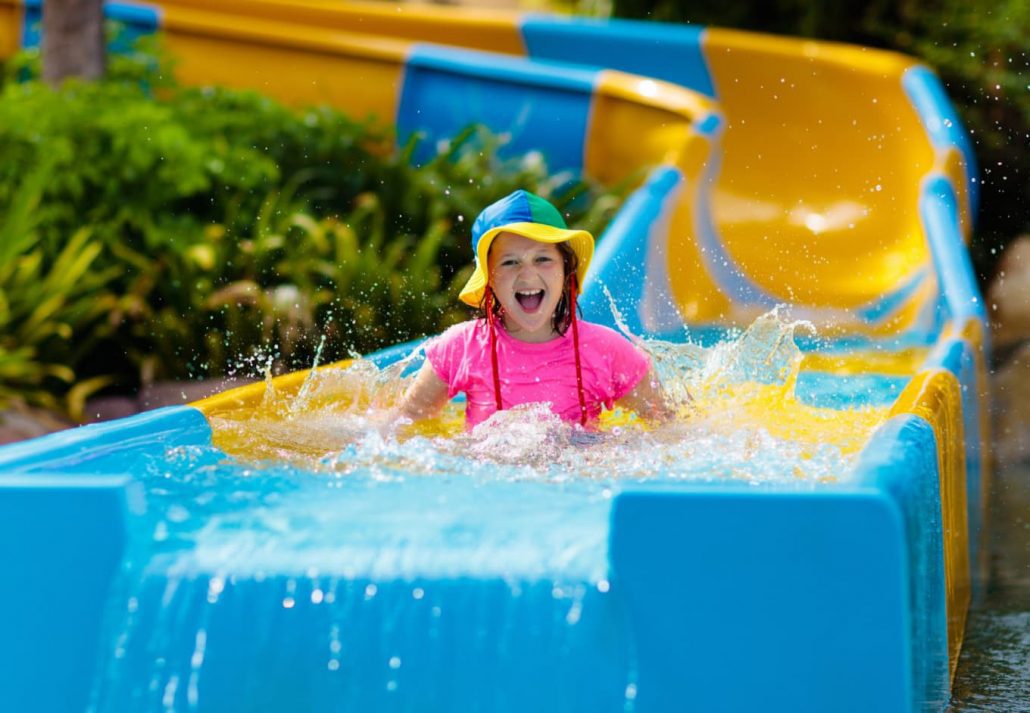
17,232
75,399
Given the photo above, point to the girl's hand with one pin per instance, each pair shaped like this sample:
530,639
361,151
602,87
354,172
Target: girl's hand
648,399
424,398
386,422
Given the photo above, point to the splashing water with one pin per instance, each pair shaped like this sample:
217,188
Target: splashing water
313,439
736,399
308,526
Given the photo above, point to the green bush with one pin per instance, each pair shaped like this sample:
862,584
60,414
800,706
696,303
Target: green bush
218,230
52,306
978,48
368,277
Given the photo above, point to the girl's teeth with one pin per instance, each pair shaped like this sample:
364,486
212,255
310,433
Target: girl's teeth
529,300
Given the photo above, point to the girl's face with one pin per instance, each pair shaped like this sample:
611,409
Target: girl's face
527,277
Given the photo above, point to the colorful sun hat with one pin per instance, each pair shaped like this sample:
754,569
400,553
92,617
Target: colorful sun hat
530,216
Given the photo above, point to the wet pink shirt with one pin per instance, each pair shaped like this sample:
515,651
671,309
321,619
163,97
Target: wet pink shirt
536,372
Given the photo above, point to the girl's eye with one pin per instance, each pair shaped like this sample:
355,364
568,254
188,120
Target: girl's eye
508,262
544,258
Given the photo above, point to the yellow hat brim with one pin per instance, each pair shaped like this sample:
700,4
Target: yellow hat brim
581,242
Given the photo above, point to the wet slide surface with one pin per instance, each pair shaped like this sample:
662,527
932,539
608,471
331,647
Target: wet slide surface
817,504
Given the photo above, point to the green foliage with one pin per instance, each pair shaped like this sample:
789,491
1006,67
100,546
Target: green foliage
175,232
978,48
386,269
52,306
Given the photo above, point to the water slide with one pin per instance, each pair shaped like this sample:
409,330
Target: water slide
832,179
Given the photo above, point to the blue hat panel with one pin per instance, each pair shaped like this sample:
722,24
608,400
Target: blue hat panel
513,208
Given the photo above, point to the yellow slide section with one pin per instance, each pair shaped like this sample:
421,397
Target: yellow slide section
821,169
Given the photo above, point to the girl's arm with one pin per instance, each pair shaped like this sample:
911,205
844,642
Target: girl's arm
647,399
425,397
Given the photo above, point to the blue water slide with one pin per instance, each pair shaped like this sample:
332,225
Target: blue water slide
646,596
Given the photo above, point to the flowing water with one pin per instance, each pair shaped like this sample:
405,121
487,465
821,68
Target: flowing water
316,557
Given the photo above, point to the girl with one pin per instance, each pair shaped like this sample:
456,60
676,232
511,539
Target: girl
527,344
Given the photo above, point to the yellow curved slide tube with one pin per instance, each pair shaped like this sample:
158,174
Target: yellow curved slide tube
822,161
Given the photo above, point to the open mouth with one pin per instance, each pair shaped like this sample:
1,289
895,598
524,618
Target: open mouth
529,300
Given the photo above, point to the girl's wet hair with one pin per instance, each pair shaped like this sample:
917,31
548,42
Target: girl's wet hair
562,317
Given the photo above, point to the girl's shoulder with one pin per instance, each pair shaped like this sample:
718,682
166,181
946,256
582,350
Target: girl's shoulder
460,333
601,333
450,351
611,346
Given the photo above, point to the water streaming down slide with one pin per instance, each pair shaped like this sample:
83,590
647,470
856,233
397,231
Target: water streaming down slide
806,543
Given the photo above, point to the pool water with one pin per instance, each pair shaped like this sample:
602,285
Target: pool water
312,559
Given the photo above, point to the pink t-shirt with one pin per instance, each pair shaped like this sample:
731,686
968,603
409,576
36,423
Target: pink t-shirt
536,372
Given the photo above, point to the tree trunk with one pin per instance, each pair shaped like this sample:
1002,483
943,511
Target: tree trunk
73,40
